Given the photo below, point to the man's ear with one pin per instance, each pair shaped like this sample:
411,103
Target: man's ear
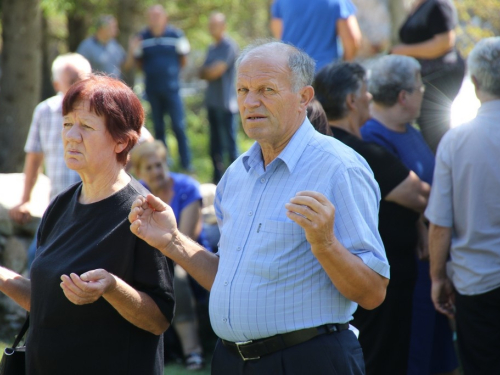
475,82
306,95
350,99
56,85
402,97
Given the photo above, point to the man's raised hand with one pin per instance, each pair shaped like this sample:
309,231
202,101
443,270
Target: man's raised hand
153,221
316,214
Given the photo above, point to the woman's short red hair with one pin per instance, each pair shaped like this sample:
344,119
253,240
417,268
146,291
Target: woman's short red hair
113,100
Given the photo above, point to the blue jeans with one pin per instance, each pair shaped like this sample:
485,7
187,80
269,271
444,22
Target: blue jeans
171,103
222,139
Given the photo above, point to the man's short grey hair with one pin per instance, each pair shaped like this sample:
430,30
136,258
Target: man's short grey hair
103,21
484,65
300,63
79,63
390,75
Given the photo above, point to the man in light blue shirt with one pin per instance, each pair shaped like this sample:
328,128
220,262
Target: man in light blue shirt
464,211
299,245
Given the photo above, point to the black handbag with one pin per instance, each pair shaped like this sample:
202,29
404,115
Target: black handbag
13,360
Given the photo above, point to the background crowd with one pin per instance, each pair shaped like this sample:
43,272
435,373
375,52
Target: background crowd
394,110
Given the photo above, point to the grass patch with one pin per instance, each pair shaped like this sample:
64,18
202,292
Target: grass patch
178,369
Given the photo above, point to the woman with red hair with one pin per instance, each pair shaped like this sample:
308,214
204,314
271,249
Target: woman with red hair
99,297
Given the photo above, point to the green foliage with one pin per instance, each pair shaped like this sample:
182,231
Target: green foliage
246,20
78,6
478,19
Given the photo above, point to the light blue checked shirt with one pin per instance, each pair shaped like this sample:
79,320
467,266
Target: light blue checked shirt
45,137
268,281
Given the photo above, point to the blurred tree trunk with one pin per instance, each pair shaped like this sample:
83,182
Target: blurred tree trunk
47,90
20,81
77,28
129,14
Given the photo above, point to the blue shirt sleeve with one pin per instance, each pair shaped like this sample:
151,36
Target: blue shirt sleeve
83,48
357,197
276,10
186,191
346,9
440,208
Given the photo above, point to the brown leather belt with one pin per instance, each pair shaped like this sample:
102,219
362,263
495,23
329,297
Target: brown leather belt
254,349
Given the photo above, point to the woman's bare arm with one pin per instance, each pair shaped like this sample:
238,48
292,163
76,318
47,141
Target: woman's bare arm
16,287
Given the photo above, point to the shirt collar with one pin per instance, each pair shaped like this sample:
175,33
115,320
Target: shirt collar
491,105
291,153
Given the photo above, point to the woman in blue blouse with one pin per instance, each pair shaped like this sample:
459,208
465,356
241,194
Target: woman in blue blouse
182,193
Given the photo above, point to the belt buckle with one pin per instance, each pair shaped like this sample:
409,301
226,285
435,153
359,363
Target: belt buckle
241,343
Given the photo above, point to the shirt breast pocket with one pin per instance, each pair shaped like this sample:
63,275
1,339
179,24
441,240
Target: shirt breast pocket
277,246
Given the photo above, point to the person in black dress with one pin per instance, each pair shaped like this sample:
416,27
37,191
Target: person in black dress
385,331
428,35
99,297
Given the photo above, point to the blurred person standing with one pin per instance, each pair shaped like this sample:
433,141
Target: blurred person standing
220,97
44,142
396,85
102,50
316,27
317,116
428,35
161,51
384,332
464,211
182,193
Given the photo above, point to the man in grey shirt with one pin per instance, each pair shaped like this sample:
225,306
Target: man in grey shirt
464,211
102,50
220,98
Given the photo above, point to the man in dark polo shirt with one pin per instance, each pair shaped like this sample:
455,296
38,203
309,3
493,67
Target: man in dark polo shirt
162,54
385,331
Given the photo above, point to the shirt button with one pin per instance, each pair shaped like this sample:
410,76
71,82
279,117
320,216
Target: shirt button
224,320
238,248
262,180
250,213
225,282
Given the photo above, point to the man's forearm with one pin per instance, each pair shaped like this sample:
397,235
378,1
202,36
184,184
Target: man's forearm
351,276
201,264
213,71
439,250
